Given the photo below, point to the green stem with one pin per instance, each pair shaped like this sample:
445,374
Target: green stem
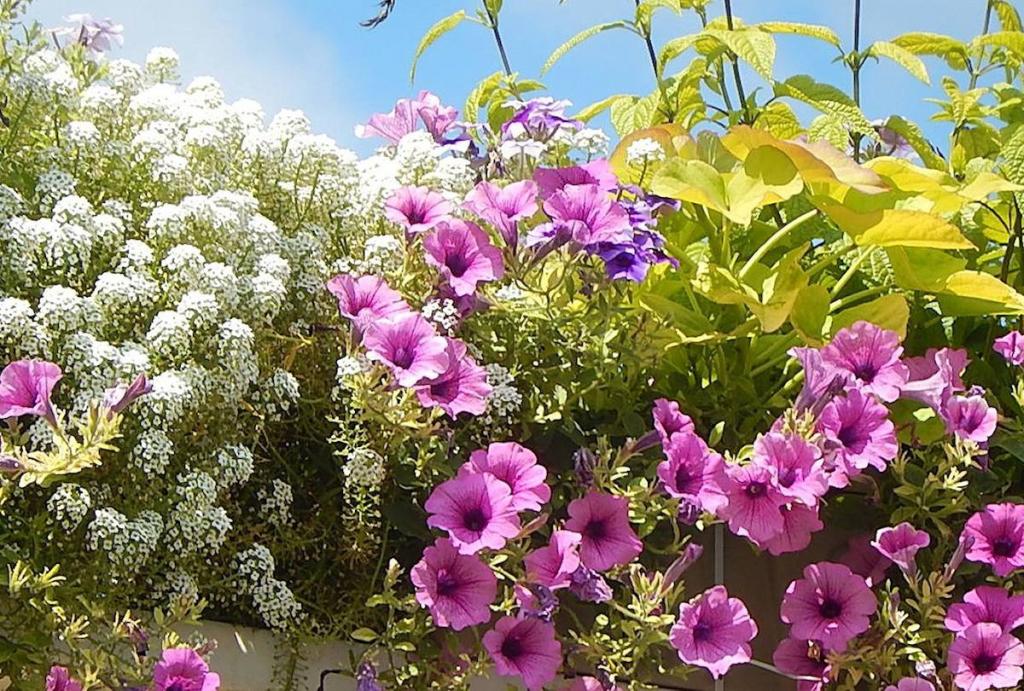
850,272
976,74
855,67
736,66
645,34
775,239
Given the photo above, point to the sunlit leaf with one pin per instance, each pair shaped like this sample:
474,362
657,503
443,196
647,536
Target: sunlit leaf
889,312
435,32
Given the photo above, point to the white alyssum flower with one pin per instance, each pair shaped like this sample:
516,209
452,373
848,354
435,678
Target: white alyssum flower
644,152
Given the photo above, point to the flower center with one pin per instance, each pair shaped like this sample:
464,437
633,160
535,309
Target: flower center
403,357
830,609
475,520
701,632
457,264
595,530
755,489
985,663
1004,547
866,372
852,438
683,477
447,584
511,648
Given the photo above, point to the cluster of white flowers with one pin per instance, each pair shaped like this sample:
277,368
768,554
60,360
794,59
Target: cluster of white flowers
364,468
444,313
68,505
276,503
505,400
127,544
272,598
644,152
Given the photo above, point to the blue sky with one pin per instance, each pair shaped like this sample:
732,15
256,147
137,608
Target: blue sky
313,55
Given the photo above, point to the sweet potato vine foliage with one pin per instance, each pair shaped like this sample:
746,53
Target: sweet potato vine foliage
490,400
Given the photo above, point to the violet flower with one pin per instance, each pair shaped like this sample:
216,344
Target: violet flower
405,119
901,545
590,586
26,387
1011,347
864,560
713,631
857,435
119,397
525,648
998,537
59,679
464,255
462,388
754,505
830,604
986,604
799,523
504,207
871,355
912,684
96,35
970,417
476,511
458,589
552,180
417,209
538,118
366,299
409,346
693,471
182,669
553,565
517,467
584,214
803,658
935,376
984,657
603,522
797,464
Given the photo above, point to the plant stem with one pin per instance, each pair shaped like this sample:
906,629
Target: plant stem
645,33
736,65
497,39
976,74
774,240
851,271
855,66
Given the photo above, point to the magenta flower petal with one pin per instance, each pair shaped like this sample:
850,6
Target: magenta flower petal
692,471
26,387
970,417
754,506
588,215
464,255
864,560
802,658
607,538
553,566
668,419
986,604
858,434
517,467
798,467
525,648
366,299
504,207
598,173
984,657
1011,347
183,669
799,523
409,346
830,604
912,684
417,209
998,537
901,545
935,376
476,510
457,588
713,631
462,388
59,679
871,355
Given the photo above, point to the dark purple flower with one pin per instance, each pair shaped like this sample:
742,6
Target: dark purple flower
538,118
366,677
590,586
584,462
537,601
871,355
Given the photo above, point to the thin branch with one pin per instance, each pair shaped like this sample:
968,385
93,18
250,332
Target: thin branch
855,67
493,17
653,56
736,65
976,74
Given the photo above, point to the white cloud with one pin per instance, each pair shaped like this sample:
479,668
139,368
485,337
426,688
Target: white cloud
255,48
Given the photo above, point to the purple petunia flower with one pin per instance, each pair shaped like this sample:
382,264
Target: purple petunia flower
96,35
517,467
901,545
590,586
668,419
799,523
409,346
537,118
857,434
830,604
464,255
366,299
405,119
754,506
693,471
438,119
366,677
871,355
585,214
417,209
821,382
554,564
476,510
912,684
552,180
117,398
59,679
984,657
525,648
504,207
457,588
798,467
536,600
864,560
602,520
713,631
1011,347
998,537
935,376
26,387
689,556
182,669
462,388
803,658
970,417
986,604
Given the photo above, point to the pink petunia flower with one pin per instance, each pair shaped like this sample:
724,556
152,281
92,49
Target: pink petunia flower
476,510
517,467
970,417
59,679
830,604
986,604
864,560
119,397
713,631
366,299
799,523
821,381
1011,347
668,419
935,376
803,658
587,215
457,588
871,355
692,471
405,118
182,669
409,346
754,506
553,565
984,657
417,209
857,435
602,520
504,207
797,464
998,537
901,545
462,388
590,684
525,648
599,173
26,387
464,255
912,684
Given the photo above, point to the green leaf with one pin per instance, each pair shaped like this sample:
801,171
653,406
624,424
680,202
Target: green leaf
595,109
633,113
809,312
951,50
1011,41
751,45
915,137
579,38
896,228
364,635
889,312
822,33
435,32
973,293
1013,161
480,94
1009,18
674,48
691,181
827,99
917,268
494,6
902,57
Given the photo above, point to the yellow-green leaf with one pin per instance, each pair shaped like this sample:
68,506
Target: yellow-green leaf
827,99
970,293
755,47
915,137
435,32
951,50
902,57
809,312
1011,41
1009,18
896,228
579,38
822,33
889,312
927,270
691,181
595,109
